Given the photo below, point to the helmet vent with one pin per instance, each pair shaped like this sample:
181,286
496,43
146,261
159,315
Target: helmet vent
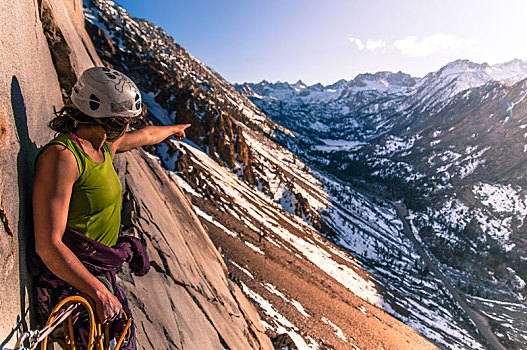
94,102
137,102
94,105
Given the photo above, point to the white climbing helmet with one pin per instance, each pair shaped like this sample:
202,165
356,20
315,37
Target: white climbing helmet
103,92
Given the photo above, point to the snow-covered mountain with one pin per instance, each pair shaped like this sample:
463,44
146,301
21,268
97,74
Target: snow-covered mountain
452,145
304,224
465,74
370,105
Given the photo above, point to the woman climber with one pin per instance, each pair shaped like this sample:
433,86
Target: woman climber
77,194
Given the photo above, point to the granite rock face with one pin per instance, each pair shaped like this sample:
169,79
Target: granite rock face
28,91
186,301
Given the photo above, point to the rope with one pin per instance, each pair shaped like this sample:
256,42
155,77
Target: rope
44,332
62,313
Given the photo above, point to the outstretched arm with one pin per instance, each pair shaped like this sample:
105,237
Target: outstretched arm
149,135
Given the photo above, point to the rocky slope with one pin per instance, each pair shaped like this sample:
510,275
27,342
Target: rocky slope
186,301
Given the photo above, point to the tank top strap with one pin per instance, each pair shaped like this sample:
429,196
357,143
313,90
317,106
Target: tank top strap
107,147
76,139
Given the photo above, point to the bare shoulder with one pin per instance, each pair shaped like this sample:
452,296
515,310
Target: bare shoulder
58,160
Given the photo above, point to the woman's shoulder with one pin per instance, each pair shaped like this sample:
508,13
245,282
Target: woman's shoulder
62,151
56,146
55,155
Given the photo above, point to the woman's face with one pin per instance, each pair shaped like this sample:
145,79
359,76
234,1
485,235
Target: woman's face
114,127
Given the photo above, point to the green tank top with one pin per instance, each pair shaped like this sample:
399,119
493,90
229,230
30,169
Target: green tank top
95,205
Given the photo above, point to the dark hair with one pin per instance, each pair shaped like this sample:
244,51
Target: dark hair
67,119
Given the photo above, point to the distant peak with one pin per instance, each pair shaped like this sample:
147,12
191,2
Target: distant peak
299,84
513,62
465,63
385,79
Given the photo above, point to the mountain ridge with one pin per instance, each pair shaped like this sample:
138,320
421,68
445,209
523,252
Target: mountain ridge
452,67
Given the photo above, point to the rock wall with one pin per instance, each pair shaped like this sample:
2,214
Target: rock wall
28,91
186,301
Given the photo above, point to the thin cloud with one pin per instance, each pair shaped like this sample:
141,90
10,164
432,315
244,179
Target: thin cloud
432,44
370,45
438,43
373,45
357,42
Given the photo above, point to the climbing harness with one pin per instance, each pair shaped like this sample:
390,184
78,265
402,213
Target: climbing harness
64,313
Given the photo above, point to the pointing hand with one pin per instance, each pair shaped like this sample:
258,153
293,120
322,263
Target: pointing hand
179,131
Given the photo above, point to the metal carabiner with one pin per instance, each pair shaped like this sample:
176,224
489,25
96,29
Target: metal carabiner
31,336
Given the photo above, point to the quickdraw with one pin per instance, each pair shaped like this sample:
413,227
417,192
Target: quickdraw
63,313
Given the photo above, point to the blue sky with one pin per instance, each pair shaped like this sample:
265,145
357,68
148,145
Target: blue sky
327,40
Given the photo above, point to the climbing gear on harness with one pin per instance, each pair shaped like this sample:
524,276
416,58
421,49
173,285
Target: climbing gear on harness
103,92
64,313
99,259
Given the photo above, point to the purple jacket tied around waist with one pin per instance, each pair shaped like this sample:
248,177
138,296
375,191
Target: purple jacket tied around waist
99,259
